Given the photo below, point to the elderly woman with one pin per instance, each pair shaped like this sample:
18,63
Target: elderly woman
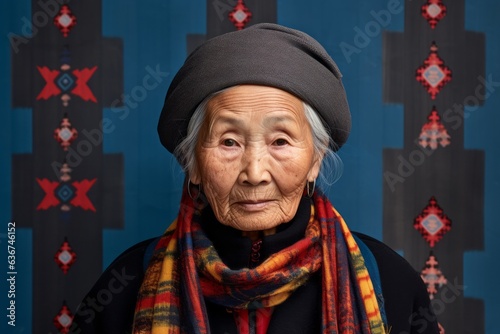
256,247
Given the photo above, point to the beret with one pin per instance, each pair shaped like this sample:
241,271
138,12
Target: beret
263,54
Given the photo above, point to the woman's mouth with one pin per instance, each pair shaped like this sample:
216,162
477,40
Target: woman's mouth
254,205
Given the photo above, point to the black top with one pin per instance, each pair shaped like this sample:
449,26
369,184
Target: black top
109,306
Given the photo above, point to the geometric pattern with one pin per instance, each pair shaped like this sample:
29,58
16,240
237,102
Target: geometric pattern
65,173
56,83
432,223
65,20
429,24
433,74
433,11
63,319
63,57
66,194
65,134
67,78
433,132
240,15
432,276
65,82
65,256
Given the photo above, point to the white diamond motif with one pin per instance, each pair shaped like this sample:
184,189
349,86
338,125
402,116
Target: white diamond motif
64,320
433,10
433,75
65,20
65,257
240,16
65,134
432,224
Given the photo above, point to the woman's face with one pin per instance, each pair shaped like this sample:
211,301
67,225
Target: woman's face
254,156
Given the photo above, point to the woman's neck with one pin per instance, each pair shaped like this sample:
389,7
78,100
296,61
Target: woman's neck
256,235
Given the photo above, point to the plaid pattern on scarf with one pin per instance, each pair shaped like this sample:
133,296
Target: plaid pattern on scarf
185,269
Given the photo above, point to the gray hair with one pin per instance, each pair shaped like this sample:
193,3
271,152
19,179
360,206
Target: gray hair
331,164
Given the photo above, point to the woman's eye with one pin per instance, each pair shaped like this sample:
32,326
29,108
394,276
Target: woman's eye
280,142
229,142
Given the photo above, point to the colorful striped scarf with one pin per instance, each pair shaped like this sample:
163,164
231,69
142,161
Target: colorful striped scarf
185,269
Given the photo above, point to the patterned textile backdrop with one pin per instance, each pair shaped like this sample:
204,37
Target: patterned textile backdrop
83,175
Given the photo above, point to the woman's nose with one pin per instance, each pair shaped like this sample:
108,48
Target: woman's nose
255,167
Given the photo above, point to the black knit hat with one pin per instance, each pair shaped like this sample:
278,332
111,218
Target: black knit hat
263,54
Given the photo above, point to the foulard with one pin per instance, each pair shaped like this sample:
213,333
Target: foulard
185,269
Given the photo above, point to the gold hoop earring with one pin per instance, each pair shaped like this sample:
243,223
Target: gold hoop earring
310,189
198,191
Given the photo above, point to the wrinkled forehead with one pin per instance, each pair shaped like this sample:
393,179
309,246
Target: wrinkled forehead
248,107
249,98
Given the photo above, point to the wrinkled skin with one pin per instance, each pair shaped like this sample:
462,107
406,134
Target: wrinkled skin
254,156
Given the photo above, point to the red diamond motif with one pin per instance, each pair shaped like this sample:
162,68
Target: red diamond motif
433,132
65,20
63,319
432,276
240,15
65,257
432,223
65,134
433,11
433,74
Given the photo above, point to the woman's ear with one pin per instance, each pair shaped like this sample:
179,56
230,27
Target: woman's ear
315,168
194,174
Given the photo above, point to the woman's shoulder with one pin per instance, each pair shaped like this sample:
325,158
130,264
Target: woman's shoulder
406,300
395,271
387,258
137,254
109,305
385,255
